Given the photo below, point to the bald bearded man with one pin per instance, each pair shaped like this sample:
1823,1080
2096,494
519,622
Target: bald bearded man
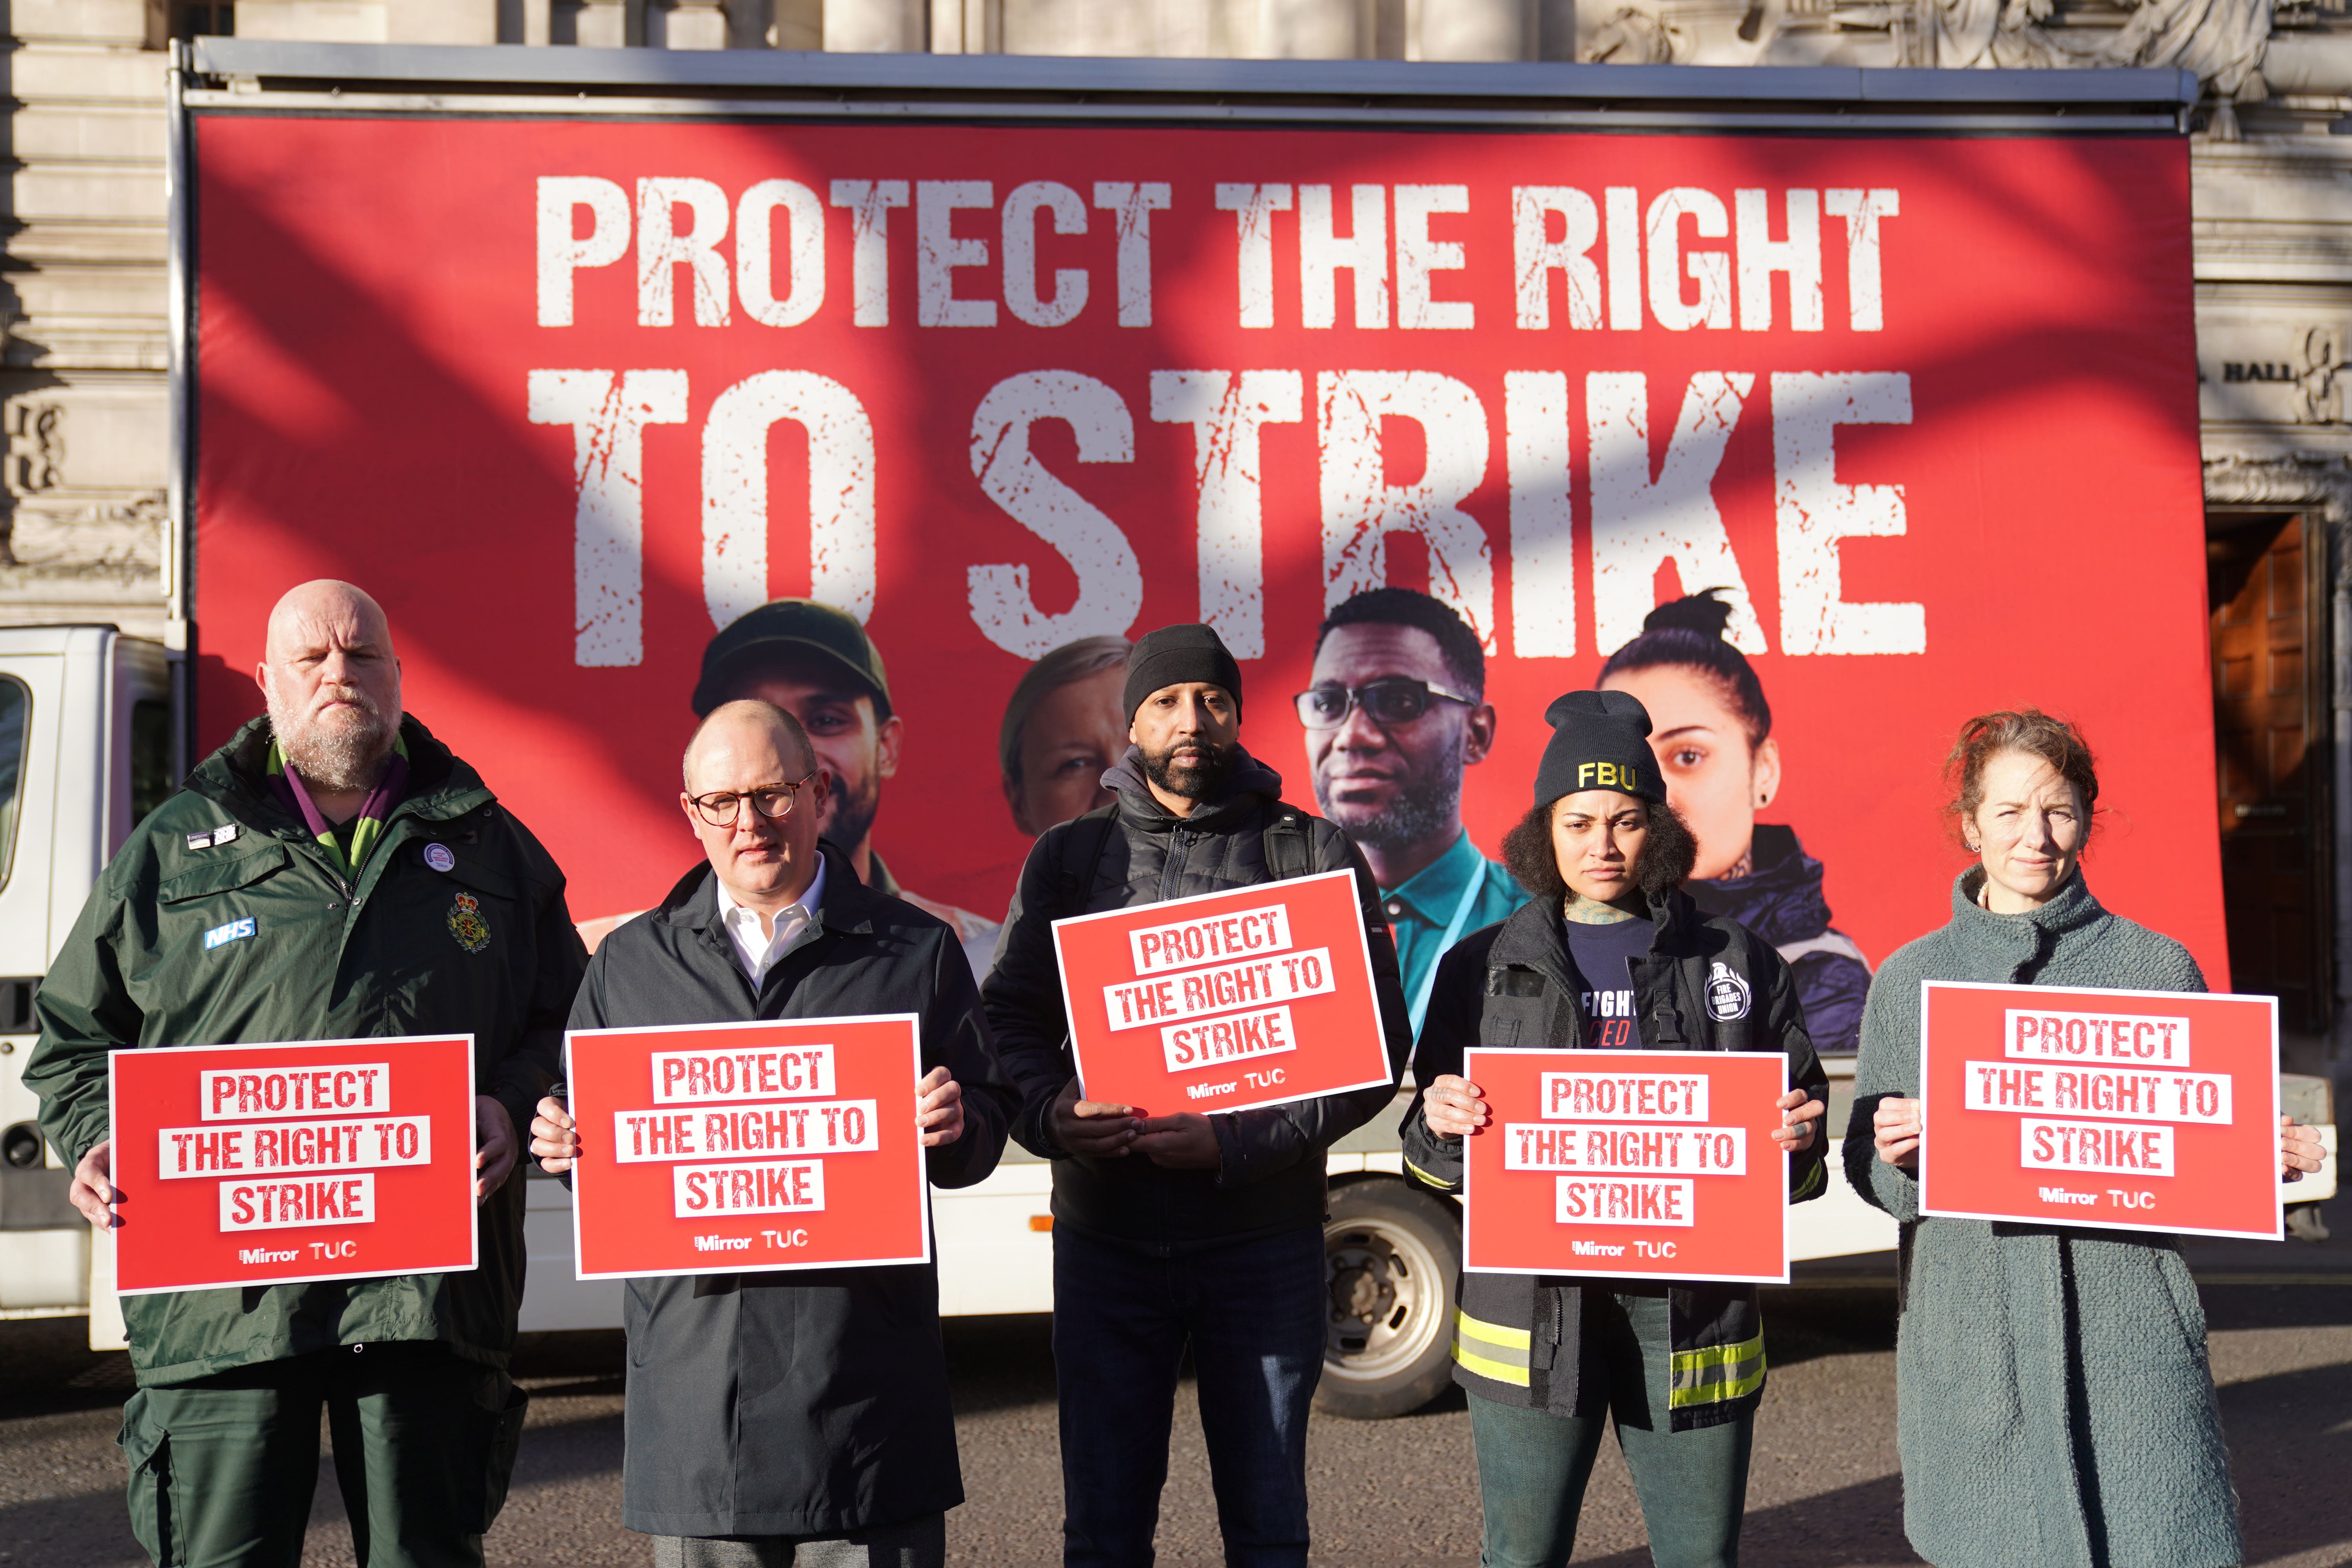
795,1417
331,873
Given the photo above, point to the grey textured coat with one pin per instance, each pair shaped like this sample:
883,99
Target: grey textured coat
2055,1407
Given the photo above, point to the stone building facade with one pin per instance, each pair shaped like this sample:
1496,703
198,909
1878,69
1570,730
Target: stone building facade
83,352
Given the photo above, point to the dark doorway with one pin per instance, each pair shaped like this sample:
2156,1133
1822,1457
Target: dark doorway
2271,744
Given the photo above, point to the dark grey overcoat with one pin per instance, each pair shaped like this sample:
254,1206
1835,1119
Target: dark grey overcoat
2054,1407
806,1403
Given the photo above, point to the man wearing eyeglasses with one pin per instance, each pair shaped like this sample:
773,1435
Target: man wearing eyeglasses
802,1416
1397,710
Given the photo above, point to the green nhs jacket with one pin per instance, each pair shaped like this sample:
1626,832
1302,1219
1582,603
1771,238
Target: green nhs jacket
325,960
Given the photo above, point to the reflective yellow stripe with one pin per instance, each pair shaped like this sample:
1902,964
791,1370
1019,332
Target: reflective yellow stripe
1441,1185
1493,1333
1501,1353
1718,1374
1490,1369
1814,1184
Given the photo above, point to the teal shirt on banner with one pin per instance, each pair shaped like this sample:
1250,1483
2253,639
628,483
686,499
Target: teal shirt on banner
1457,893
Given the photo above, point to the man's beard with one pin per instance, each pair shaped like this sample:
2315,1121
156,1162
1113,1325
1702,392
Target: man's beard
1423,805
1192,781
846,819
336,759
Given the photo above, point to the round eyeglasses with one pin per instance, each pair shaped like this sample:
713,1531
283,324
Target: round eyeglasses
1393,699
720,807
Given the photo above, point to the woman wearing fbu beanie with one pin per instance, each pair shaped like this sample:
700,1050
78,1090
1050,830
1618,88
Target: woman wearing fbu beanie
1609,955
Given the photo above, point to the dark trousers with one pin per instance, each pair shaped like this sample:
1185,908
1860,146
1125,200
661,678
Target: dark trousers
1253,1316
912,1544
222,1470
1533,1466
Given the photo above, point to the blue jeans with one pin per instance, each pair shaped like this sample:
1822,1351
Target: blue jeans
1252,1315
1533,1466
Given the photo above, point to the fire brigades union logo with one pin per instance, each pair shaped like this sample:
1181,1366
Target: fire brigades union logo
467,924
1727,996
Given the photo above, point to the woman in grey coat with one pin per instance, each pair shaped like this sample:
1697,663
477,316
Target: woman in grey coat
2055,1404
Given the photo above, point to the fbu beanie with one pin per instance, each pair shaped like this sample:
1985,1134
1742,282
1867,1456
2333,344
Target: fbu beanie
1600,740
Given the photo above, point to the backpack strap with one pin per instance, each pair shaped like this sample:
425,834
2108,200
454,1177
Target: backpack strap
1074,880
1284,838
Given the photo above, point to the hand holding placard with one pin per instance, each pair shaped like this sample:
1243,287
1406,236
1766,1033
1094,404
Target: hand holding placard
725,1148
243,1165
2116,1110
1254,996
1641,1164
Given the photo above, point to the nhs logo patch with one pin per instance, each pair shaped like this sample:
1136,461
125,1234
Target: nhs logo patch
235,931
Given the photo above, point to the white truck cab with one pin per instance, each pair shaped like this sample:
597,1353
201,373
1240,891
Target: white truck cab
86,751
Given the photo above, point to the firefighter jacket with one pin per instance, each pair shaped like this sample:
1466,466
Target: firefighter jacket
807,1402
1515,1335
223,921
1269,1177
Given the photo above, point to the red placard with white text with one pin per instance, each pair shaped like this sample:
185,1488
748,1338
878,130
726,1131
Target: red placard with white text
282,1163
1224,1001
748,1148
1647,1165
2116,1110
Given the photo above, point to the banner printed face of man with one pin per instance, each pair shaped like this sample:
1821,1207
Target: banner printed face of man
1069,741
857,749
1392,785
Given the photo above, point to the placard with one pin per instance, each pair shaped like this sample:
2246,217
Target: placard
1224,1001
1645,1164
748,1148
2113,1110
277,1164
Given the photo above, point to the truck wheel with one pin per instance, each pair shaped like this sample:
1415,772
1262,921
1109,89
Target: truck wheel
1390,1254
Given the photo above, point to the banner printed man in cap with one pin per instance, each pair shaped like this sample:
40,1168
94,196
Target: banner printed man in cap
816,663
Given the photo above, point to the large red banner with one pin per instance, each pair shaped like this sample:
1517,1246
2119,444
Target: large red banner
1224,1001
2117,1110
569,397
747,1148
274,1164
1646,1164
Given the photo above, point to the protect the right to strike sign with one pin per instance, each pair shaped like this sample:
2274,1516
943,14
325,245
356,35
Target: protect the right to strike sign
1649,1164
1255,995
2119,1110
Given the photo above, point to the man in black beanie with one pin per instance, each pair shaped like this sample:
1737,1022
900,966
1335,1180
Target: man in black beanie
1174,1229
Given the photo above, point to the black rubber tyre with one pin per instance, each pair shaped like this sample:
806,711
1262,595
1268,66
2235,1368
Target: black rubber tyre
1391,1254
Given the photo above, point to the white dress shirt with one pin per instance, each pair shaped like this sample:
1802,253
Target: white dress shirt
795,925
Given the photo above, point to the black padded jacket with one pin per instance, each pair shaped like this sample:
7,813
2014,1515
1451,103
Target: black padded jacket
1270,1176
1516,1336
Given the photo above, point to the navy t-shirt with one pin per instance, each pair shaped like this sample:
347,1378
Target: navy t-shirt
1603,956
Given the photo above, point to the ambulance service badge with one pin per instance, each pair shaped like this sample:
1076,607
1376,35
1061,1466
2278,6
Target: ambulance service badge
467,924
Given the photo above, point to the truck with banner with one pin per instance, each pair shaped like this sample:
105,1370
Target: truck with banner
596,368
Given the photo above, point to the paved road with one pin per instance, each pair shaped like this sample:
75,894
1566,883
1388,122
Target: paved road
1393,1494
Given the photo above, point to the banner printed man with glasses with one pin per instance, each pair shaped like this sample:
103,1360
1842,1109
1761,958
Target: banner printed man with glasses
1397,710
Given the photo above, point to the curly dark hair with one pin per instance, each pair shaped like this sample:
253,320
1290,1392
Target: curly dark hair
1667,857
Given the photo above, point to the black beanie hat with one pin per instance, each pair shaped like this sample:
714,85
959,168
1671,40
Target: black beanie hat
1173,655
1600,740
